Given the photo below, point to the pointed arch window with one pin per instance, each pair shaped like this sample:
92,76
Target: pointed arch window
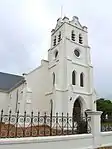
56,54
82,79
16,101
80,39
74,78
73,35
53,78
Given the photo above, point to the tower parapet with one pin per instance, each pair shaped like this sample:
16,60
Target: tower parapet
75,22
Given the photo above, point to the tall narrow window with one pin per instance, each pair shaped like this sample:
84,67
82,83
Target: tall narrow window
54,42
59,37
73,35
74,78
16,101
80,39
53,78
82,79
51,106
56,54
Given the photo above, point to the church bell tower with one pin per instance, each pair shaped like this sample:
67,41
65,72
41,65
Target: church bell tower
70,67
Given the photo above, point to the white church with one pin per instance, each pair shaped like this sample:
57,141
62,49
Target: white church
63,83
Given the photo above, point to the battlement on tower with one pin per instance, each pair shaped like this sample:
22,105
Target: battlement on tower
74,22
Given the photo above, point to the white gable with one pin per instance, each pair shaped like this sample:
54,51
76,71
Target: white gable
75,22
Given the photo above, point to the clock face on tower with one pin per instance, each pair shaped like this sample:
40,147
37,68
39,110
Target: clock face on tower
77,52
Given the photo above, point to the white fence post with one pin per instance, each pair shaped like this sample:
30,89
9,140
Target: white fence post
95,127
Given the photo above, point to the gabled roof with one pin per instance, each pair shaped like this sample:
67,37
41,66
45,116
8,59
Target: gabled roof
9,81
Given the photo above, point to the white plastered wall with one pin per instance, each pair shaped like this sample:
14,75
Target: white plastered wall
38,82
3,101
12,98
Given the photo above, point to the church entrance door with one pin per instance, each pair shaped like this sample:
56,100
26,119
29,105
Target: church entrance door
77,110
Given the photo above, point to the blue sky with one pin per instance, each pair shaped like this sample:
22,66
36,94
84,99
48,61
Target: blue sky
25,27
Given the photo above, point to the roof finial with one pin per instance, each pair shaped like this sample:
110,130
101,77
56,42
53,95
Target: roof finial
61,11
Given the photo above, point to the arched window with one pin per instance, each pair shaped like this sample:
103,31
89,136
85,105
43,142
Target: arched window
73,35
16,101
54,42
74,78
80,39
59,37
82,79
51,106
56,54
53,78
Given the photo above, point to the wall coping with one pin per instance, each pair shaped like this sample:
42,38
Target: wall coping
94,112
108,133
43,139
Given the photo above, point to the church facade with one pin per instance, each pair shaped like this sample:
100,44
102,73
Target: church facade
63,83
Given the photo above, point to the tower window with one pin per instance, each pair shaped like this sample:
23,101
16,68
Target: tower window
82,79
74,78
73,35
54,42
56,54
80,39
53,78
59,37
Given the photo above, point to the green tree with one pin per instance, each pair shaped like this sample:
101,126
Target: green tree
105,106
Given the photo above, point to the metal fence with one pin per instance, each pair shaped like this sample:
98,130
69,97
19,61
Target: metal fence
106,124
16,125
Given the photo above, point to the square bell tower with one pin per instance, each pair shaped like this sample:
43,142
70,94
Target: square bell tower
70,67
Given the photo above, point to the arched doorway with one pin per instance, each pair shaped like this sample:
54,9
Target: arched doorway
77,110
